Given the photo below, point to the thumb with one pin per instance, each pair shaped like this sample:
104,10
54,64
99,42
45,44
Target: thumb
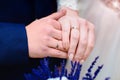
58,14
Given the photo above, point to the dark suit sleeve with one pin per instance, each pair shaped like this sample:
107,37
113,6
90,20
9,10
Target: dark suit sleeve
13,44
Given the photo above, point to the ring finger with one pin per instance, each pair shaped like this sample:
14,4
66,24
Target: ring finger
53,43
74,38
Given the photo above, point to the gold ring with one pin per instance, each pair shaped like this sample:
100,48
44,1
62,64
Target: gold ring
73,27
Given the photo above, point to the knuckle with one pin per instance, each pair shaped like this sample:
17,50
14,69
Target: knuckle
83,21
85,57
49,30
84,42
92,26
65,45
91,45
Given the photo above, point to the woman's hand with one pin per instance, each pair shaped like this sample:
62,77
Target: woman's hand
44,37
77,35
86,41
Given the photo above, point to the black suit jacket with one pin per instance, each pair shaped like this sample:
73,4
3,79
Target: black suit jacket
14,16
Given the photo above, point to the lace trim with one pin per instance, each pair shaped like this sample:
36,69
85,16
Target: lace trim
73,4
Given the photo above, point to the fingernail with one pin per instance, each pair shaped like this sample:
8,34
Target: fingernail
82,61
66,49
66,46
71,56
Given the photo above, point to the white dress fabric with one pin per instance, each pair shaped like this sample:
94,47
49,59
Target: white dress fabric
107,32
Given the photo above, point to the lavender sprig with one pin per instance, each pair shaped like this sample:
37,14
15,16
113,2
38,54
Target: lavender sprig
71,74
89,73
43,71
97,71
92,65
108,78
77,73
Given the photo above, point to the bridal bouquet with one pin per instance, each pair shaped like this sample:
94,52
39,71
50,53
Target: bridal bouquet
43,72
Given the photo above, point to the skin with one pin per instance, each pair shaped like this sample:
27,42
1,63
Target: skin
78,41
43,35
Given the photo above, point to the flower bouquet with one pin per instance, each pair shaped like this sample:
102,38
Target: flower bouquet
43,72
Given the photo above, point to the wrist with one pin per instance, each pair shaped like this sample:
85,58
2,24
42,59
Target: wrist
28,38
70,11
72,4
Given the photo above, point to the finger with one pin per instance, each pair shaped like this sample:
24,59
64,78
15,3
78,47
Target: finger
82,41
56,44
56,53
74,38
55,24
91,41
73,43
75,24
58,14
57,34
65,24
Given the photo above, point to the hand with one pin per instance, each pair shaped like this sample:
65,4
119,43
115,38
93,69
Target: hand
86,41
44,37
77,35
67,21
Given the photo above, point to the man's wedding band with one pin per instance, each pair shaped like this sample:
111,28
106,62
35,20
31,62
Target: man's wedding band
57,46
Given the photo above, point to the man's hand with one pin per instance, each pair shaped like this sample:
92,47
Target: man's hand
77,35
44,37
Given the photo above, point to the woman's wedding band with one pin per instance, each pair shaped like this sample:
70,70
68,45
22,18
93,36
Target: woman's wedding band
73,27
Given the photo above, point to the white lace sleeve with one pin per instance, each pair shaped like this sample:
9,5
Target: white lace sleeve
73,4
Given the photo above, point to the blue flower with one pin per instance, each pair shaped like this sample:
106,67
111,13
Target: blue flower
43,72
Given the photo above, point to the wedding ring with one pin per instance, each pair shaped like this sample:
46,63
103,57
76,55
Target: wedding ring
73,27
57,46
